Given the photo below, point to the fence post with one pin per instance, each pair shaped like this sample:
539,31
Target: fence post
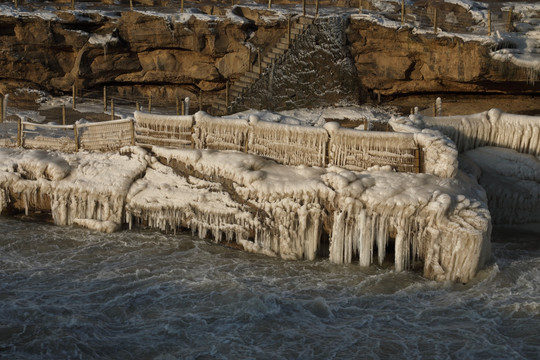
72,4
150,103
112,109
402,12
359,6
64,114
316,8
183,108
509,21
249,59
74,97
269,4
227,94
132,125
434,109
417,160
131,5
177,106
200,100
259,60
1,108
435,22
104,99
182,6
303,7
16,4
289,30
76,133
489,22
137,106
19,132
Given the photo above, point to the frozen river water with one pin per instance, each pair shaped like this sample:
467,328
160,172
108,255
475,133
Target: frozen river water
70,293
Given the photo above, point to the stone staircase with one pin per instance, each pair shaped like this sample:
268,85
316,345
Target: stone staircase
222,105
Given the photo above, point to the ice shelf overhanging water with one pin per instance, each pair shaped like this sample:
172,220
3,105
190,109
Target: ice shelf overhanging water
290,212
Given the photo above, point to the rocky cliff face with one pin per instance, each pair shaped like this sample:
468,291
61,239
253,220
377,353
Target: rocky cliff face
143,53
399,61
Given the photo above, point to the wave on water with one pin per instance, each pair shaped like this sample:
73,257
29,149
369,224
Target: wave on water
72,293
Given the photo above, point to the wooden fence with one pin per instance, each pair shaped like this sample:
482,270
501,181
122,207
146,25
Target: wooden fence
288,144
102,136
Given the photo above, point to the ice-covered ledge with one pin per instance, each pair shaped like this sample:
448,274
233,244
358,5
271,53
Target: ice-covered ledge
290,212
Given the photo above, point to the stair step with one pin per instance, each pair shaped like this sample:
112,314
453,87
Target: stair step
267,60
236,87
252,74
283,46
246,79
273,55
233,94
305,20
242,83
278,51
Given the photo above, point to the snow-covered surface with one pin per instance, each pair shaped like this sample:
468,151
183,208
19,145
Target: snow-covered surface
263,206
489,128
512,183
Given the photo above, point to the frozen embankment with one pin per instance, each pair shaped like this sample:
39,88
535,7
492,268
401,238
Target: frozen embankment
501,150
291,212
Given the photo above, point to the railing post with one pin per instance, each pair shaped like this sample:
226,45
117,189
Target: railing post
182,6
227,94
200,100
150,103
417,160
131,5
64,114
104,99
509,21
250,66
435,22
489,23
1,108
112,109
316,8
289,30
16,4
72,4
303,7
74,97
19,132
177,106
76,133
402,12
259,60
132,125
359,6
269,4
137,106
183,108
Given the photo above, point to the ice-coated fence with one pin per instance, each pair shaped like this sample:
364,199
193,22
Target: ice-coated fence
103,136
162,130
220,134
359,150
490,128
292,144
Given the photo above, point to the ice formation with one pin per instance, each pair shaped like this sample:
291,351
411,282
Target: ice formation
501,150
443,221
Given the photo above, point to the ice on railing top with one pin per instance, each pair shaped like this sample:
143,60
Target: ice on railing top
490,128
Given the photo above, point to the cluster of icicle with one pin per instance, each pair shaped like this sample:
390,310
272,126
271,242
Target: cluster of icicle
220,134
162,130
291,143
440,153
359,150
287,144
291,219
490,128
